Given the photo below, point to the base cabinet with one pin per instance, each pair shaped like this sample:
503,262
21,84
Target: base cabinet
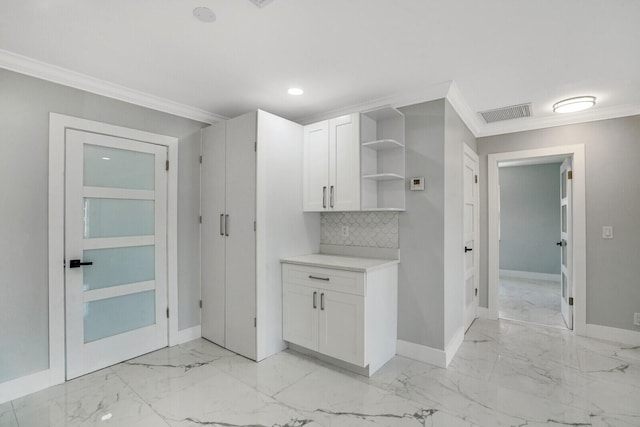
346,315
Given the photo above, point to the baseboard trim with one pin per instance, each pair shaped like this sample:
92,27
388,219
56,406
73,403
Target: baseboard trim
28,384
623,336
187,335
530,275
453,346
422,353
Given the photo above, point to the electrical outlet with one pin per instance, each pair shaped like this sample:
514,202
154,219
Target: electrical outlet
345,231
636,319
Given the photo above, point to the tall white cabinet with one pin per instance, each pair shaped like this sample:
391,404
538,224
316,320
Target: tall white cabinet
251,218
331,176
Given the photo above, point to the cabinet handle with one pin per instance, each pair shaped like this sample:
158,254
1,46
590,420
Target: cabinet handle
322,301
315,295
324,197
331,197
326,279
222,224
226,225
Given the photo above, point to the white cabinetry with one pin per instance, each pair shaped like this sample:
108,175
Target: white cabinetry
346,315
331,165
383,160
250,219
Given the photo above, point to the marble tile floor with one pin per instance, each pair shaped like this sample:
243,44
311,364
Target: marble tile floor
530,300
505,374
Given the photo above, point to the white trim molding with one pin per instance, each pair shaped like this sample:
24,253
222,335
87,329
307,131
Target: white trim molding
28,384
53,73
530,275
577,153
623,336
433,356
186,335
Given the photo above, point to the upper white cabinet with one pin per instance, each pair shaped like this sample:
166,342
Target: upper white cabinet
382,157
331,179
355,162
250,219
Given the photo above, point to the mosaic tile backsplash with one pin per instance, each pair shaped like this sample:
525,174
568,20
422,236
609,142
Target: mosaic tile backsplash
368,229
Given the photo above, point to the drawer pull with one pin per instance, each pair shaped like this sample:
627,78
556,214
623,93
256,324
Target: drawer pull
322,301
315,305
326,279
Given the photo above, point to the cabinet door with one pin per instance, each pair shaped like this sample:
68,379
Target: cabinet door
344,165
213,240
300,318
316,167
240,331
341,326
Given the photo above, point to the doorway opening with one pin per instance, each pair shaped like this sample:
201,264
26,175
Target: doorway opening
572,239
530,241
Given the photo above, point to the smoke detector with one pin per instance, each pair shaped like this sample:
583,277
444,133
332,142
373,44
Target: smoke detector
507,113
261,3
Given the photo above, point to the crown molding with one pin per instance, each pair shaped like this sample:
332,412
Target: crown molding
468,116
533,123
53,73
431,93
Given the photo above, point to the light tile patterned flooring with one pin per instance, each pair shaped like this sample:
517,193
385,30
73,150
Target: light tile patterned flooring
530,300
505,374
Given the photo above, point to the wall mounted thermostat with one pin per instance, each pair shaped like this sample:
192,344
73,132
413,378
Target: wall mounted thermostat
417,184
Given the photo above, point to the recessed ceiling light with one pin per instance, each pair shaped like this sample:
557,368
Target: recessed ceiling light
572,105
295,91
204,14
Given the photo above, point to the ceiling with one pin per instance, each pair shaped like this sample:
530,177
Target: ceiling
346,54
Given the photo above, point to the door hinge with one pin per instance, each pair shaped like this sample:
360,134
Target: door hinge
255,146
200,159
200,219
255,322
570,300
167,165
167,312
254,226
476,291
476,178
200,303
570,175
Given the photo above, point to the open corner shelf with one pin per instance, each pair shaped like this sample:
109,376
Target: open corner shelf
383,144
383,177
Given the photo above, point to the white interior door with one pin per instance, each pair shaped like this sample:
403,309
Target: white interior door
566,253
471,227
115,250
213,244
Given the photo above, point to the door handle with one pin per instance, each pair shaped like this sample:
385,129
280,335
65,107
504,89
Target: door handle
559,243
75,263
466,249
315,295
331,197
322,301
324,197
226,225
222,224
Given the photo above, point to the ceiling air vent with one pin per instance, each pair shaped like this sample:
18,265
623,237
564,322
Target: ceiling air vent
507,113
260,3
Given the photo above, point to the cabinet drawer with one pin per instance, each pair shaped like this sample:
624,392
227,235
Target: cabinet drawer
349,282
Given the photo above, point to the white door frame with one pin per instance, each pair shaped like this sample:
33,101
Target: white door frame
57,126
577,153
468,152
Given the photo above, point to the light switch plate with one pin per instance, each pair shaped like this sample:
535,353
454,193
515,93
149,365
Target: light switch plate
607,232
417,183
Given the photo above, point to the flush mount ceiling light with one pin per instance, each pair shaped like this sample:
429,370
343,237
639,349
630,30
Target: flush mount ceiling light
295,91
204,14
572,105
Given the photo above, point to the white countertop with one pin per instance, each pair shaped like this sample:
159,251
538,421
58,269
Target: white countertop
340,262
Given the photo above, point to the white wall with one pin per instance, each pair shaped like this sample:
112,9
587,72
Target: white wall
612,184
530,218
25,104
